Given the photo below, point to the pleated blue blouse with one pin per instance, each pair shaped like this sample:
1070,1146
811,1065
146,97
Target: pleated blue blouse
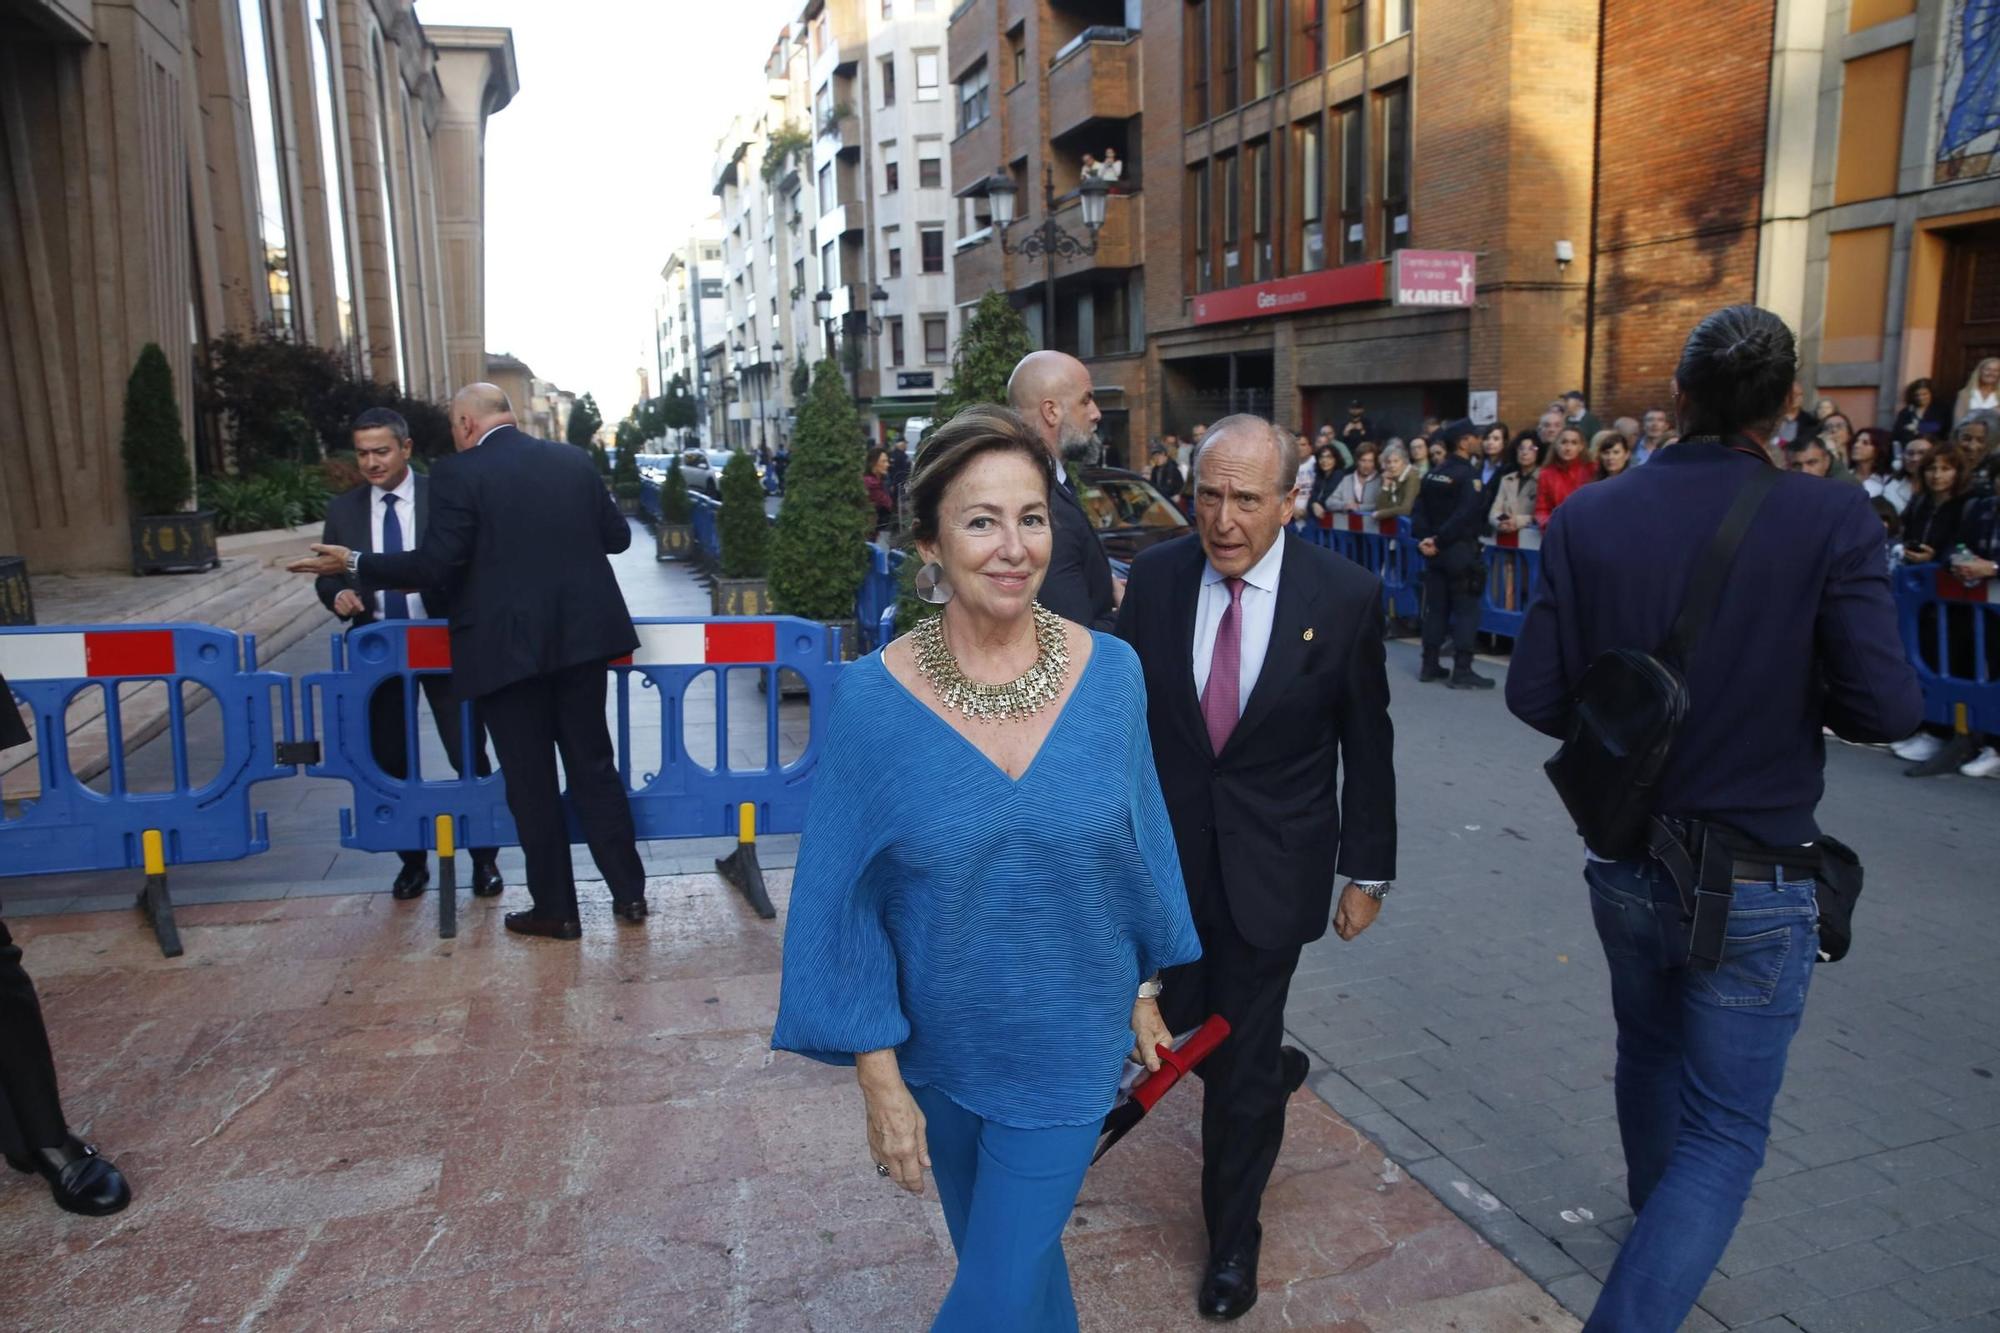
993,930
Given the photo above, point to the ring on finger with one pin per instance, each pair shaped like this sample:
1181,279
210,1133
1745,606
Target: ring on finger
882,1170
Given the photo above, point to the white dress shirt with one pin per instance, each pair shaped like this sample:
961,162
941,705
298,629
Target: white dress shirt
406,516
1255,611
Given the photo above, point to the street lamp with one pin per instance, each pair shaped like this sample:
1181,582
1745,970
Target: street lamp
778,367
1048,240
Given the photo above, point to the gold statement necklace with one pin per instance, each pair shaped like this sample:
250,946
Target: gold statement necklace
1024,696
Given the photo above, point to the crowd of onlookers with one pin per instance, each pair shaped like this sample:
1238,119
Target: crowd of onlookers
1930,474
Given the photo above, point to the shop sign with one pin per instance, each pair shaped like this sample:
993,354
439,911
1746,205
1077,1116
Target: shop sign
1353,285
1435,277
916,379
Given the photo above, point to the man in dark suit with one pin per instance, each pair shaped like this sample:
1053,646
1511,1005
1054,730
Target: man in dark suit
390,512
1801,636
1264,673
1052,393
522,528
34,1135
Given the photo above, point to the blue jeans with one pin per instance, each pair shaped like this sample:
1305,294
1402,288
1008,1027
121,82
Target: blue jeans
1007,1194
1700,1058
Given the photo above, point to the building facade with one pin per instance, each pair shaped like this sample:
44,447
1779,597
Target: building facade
689,315
179,170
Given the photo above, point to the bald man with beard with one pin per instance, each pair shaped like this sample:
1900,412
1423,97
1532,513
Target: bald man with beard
525,528
1052,393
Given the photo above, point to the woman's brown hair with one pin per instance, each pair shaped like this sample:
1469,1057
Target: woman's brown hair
982,428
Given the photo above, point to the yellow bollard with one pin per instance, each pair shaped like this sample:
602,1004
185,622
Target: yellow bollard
154,849
740,867
746,822
447,833
153,899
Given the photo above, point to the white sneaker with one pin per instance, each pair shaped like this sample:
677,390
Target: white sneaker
1986,764
1918,748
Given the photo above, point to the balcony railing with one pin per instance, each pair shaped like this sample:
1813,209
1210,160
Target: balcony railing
1121,241
1094,78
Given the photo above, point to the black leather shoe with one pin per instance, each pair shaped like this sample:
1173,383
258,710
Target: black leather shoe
1296,1067
486,881
411,883
633,911
527,923
1465,678
1432,671
1230,1288
81,1181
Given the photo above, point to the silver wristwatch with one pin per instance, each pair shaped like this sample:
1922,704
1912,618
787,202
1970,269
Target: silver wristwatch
1150,989
353,563
1374,888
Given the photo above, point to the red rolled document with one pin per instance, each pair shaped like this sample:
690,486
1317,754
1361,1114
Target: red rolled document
1144,1092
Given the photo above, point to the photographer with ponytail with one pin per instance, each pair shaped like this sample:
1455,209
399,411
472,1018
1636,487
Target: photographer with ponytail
1761,617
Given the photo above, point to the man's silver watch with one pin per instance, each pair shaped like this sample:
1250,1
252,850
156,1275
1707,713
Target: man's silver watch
353,562
1150,989
1374,888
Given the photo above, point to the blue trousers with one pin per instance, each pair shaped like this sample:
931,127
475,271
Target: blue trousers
1700,1058
1007,1194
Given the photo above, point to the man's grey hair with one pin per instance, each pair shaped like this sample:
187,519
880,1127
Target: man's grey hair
1284,444
1395,449
1986,419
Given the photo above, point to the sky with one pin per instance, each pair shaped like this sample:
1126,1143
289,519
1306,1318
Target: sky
601,161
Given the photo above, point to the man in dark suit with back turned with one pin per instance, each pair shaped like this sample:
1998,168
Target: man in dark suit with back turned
1052,393
1264,673
522,528
390,512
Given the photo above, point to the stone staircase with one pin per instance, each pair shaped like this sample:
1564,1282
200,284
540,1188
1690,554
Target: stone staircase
250,593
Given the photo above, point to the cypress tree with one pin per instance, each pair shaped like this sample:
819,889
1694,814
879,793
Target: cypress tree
819,546
675,507
741,524
157,475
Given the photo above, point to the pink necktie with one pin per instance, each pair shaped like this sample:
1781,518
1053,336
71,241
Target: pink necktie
1222,700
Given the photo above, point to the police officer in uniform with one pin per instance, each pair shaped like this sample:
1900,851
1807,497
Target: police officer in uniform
1446,522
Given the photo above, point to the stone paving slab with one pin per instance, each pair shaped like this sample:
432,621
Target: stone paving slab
334,1121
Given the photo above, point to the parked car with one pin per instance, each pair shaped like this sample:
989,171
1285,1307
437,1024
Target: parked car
1127,512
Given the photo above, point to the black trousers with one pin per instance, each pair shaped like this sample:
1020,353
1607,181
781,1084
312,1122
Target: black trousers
1453,582
531,720
31,1114
1243,1102
389,741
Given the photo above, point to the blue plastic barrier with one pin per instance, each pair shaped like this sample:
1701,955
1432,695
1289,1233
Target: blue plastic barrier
1951,635
877,597
649,497
707,537
71,827
1382,546
1511,573
672,794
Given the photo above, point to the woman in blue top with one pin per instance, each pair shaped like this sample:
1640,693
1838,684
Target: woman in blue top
987,886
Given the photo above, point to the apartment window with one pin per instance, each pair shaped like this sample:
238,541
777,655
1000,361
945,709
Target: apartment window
1202,274
829,272
1395,108
935,341
1194,42
933,242
1260,211
826,199
823,107
1229,25
892,250
891,170
1111,320
1395,18
972,103
888,80
1232,220
897,352
1353,183
1353,34
798,275
927,76
1018,52
1263,57
930,165
1309,52
1311,175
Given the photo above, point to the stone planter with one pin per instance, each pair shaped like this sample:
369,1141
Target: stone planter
17,599
676,541
174,543
628,505
740,597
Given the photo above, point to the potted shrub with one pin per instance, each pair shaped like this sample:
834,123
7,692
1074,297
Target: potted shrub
159,482
17,599
625,482
819,545
676,535
740,588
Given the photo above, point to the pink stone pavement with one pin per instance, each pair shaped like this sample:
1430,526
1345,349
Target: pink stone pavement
333,1120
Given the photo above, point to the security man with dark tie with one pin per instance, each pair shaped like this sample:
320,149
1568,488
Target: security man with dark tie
1446,523
386,514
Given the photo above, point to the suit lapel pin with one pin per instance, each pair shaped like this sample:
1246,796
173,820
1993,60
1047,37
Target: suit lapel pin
1309,636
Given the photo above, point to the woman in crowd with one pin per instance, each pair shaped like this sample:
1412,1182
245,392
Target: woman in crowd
1419,453
1563,475
1438,451
1930,524
1979,562
1613,452
1917,417
1513,508
1907,482
1981,392
1361,489
978,955
1398,494
1869,460
1326,479
875,481
1493,461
